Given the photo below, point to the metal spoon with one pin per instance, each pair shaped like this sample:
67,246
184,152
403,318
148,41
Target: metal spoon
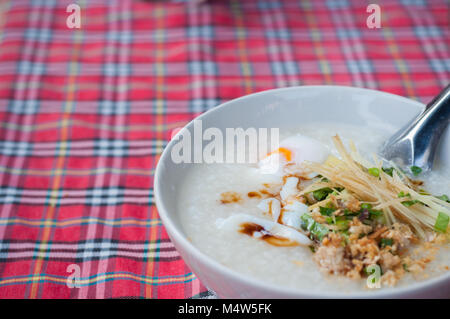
416,143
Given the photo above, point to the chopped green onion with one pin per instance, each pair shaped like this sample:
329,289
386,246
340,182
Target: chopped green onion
342,224
379,219
386,242
374,171
409,203
316,229
444,198
402,194
416,170
337,190
375,213
388,170
322,193
441,222
348,212
327,211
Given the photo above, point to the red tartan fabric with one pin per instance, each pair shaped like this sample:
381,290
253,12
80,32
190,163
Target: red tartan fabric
85,114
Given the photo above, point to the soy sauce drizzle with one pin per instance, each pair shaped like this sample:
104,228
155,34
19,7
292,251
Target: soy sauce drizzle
251,228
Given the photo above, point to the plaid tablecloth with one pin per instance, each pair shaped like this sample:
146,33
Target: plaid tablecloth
85,114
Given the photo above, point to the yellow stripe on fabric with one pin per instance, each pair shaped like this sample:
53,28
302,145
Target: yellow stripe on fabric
400,63
153,239
242,48
71,88
159,15
85,124
36,278
317,38
4,8
80,172
78,221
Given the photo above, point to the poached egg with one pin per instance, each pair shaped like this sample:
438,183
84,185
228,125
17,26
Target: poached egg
295,149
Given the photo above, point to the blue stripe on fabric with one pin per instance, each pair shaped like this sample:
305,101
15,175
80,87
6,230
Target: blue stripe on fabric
427,31
420,3
337,4
358,66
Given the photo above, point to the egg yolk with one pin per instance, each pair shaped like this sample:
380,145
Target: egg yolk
287,153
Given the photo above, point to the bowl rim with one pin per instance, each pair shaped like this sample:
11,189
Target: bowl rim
177,235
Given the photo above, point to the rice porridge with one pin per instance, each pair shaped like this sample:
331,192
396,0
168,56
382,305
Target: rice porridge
212,193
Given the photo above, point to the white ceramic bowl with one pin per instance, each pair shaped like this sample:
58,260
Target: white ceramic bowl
288,108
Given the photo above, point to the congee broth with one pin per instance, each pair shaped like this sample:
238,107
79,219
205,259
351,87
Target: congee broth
328,216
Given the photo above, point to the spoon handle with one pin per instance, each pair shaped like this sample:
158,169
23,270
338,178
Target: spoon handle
428,127
417,142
